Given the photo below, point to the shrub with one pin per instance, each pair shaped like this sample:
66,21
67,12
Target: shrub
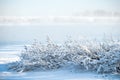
102,57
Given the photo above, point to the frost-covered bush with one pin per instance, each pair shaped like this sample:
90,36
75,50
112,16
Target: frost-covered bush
102,57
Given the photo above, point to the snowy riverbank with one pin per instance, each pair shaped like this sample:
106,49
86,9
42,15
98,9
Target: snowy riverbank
10,53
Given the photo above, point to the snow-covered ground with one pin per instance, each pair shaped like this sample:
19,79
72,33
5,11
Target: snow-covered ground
9,53
53,75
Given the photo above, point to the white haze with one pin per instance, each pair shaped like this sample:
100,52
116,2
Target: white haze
58,32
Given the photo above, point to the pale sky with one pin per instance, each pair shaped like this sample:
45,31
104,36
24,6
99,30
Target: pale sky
54,7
